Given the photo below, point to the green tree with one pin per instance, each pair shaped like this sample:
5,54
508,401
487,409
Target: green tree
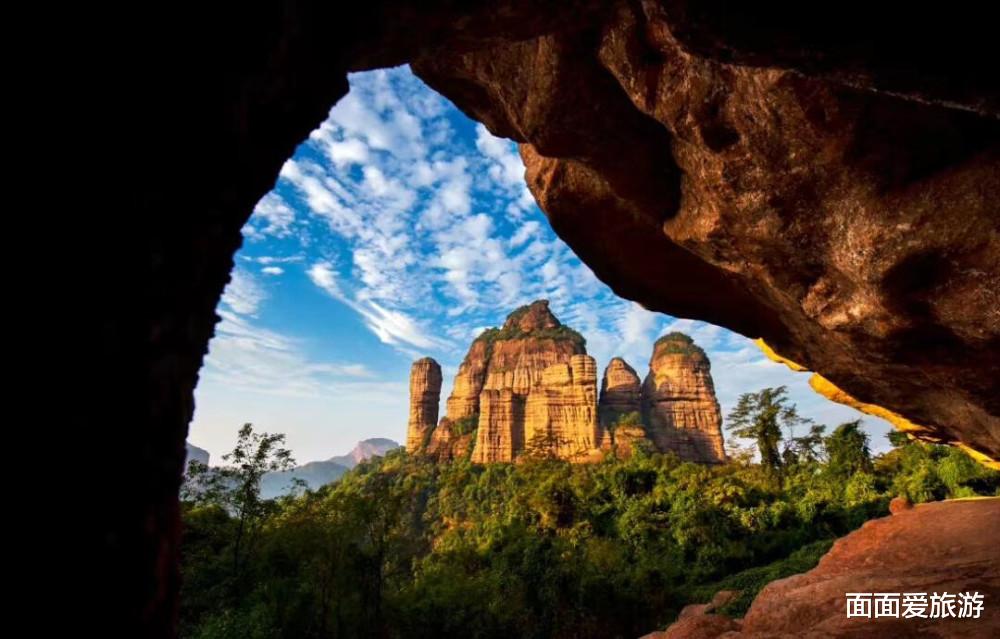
760,416
236,486
805,449
847,450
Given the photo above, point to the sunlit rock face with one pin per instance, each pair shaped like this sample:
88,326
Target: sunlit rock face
449,442
425,395
561,412
502,369
500,435
537,396
678,401
528,386
855,231
620,398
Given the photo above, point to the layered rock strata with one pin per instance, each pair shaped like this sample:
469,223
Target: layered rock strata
560,416
425,395
500,435
620,403
678,401
529,388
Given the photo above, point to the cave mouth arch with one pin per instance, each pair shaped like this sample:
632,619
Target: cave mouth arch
232,91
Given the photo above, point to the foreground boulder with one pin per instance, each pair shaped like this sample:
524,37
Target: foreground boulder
932,548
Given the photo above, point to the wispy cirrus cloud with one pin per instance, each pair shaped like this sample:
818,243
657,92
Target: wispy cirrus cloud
245,355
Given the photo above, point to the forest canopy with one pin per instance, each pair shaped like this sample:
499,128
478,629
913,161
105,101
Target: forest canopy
405,547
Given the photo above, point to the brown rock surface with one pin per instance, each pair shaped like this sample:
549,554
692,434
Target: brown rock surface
853,231
679,407
560,415
899,504
938,547
425,396
621,392
702,626
449,442
500,436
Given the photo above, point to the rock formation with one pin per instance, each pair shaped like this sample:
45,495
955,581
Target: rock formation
937,547
530,388
425,395
620,391
678,401
452,440
502,369
500,433
620,404
560,415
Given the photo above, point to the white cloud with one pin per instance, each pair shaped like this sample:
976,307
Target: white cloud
272,270
245,355
525,232
350,151
243,294
390,326
272,216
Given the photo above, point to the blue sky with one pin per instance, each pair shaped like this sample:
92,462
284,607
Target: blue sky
401,229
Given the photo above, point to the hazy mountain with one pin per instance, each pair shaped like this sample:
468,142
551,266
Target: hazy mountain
375,447
319,473
195,454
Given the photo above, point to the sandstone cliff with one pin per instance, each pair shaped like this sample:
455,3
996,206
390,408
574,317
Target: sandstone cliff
451,440
679,406
502,369
425,395
529,388
620,404
561,412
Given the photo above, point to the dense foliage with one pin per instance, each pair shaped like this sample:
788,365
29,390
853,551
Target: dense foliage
404,547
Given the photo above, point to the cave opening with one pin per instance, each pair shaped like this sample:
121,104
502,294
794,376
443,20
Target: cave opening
246,128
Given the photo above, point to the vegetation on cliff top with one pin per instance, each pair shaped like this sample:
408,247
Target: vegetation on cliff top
511,329
559,333
675,342
405,547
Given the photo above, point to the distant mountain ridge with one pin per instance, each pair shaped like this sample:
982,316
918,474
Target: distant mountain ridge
320,473
194,453
365,449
